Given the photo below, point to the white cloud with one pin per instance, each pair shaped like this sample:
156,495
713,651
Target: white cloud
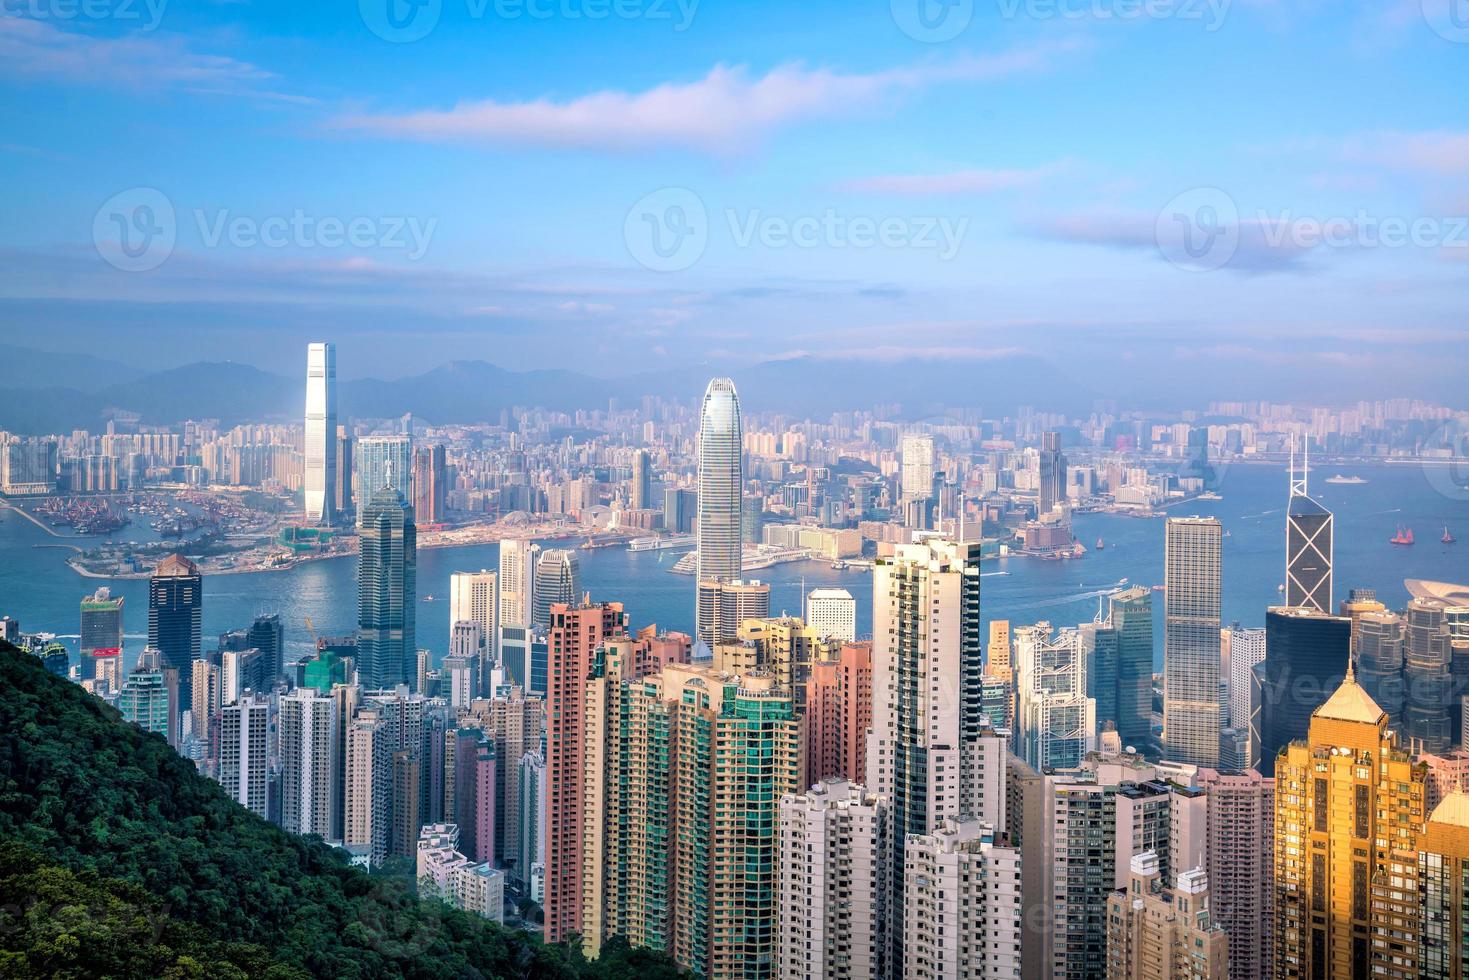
954,182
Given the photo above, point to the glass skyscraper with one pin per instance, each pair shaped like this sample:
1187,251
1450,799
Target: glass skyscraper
558,579
383,462
1191,704
387,591
720,510
319,476
1308,548
176,617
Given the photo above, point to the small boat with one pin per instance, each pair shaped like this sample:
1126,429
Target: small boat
1280,587
1403,537
1350,481
1100,544
1447,537
428,598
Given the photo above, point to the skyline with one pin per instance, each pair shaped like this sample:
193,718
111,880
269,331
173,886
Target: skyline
1050,153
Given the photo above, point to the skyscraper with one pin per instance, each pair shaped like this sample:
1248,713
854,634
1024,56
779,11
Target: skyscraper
725,604
101,632
1304,650
176,617
1191,705
319,476
721,478
310,751
1308,544
1443,866
1241,864
383,462
474,597
244,752
387,591
960,911
1131,615
557,580
430,483
344,502
930,751
1055,721
1051,486
1348,810
517,582
1149,917
641,496
268,636
833,613
917,480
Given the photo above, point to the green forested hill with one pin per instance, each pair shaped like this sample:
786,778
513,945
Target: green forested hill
118,859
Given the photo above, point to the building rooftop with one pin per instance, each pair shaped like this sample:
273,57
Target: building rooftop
1454,810
1350,703
175,566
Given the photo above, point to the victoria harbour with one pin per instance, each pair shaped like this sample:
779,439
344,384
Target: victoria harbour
35,577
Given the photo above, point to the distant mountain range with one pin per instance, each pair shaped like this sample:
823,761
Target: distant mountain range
57,393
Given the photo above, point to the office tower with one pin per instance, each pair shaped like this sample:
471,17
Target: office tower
175,616
1051,485
344,503
474,792
144,698
832,908
1099,653
1191,626
268,636
1358,603
319,457
1055,721
310,750
244,752
998,652
1308,544
1131,615
383,462
1443,867
1348,810
680,509
1377,638
1306,653
101,631
529,866
240,670
961,904
752,518
641,496
557,581
833,613
572,641
918,467
474,597
387,590
1428,677
1155,932
930,752
838,712
725,605
430,483
517,582
721,478
1244,648
462,674
1241,865
368,784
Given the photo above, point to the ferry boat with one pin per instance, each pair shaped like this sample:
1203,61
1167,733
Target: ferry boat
1350,481
1404,536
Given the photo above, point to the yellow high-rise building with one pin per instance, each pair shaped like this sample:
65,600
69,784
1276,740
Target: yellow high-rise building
1348,814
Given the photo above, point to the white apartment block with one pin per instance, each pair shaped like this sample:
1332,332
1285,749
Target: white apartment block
961,905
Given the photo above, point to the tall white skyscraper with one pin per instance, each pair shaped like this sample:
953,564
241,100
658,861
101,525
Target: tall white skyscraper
1191,702
319,478
1055,722
310,754
917,467
474,597
719,532
244,753
517,582
961,905
832,612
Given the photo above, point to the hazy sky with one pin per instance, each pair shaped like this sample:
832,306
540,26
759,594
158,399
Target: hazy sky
624,185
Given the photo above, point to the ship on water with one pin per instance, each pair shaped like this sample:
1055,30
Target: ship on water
1404,536
1447,537
1348,480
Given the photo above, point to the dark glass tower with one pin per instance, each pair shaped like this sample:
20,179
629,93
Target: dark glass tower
1306,657
267,636
387,591
1132,618
176,617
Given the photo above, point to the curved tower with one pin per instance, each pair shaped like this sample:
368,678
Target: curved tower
718,533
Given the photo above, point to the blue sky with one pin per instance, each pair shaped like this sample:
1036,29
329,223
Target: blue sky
1061,177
